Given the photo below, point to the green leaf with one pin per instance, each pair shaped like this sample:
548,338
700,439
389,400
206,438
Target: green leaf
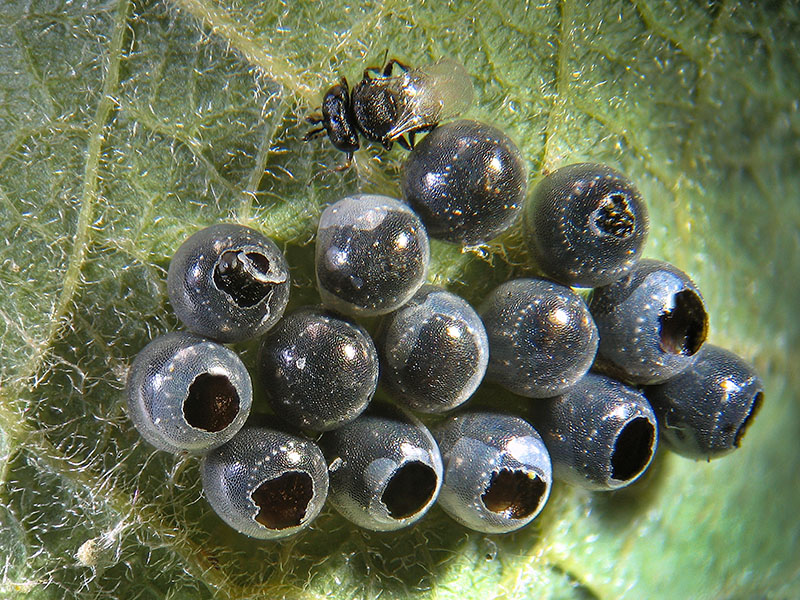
126,126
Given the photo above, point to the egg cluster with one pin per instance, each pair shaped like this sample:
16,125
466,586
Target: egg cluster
605,377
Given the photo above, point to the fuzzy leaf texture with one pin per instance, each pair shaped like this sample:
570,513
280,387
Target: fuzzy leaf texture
125,126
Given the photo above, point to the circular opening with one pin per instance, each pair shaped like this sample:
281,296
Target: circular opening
212,403
514,494
633,449
754,408
614,217
243,276
282,502
683,329
409,490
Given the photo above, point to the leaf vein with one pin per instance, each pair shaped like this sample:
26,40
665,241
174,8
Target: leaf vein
277,67
91,180
558,110
194,146
652,23
33,70
262,158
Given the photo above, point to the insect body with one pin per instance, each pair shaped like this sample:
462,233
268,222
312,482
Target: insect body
384,108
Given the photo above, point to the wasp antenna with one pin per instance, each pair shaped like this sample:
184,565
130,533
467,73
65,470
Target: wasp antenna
347,163
412,134
314,133
387,70
320,173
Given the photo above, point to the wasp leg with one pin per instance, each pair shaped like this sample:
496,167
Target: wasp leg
412,134
387,70
377,70
403,143
314,133
314,119
372,70
347,163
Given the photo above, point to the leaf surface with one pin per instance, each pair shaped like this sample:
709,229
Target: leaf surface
126,126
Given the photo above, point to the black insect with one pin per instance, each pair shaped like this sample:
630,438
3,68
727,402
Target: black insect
384,108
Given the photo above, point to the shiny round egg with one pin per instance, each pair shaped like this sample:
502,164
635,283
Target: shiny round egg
652,323
585,225
497,471
601,434
434,351
542,338
318,370
385,468
705,410
467,181
187,393
372,254
228,282
266,483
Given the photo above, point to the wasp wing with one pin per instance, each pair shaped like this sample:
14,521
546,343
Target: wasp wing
430,94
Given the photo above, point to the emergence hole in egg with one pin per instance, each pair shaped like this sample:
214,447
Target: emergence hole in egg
244,276
211,404
684,328
409,490
754,408
282,502
633,449
513,494
614,217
